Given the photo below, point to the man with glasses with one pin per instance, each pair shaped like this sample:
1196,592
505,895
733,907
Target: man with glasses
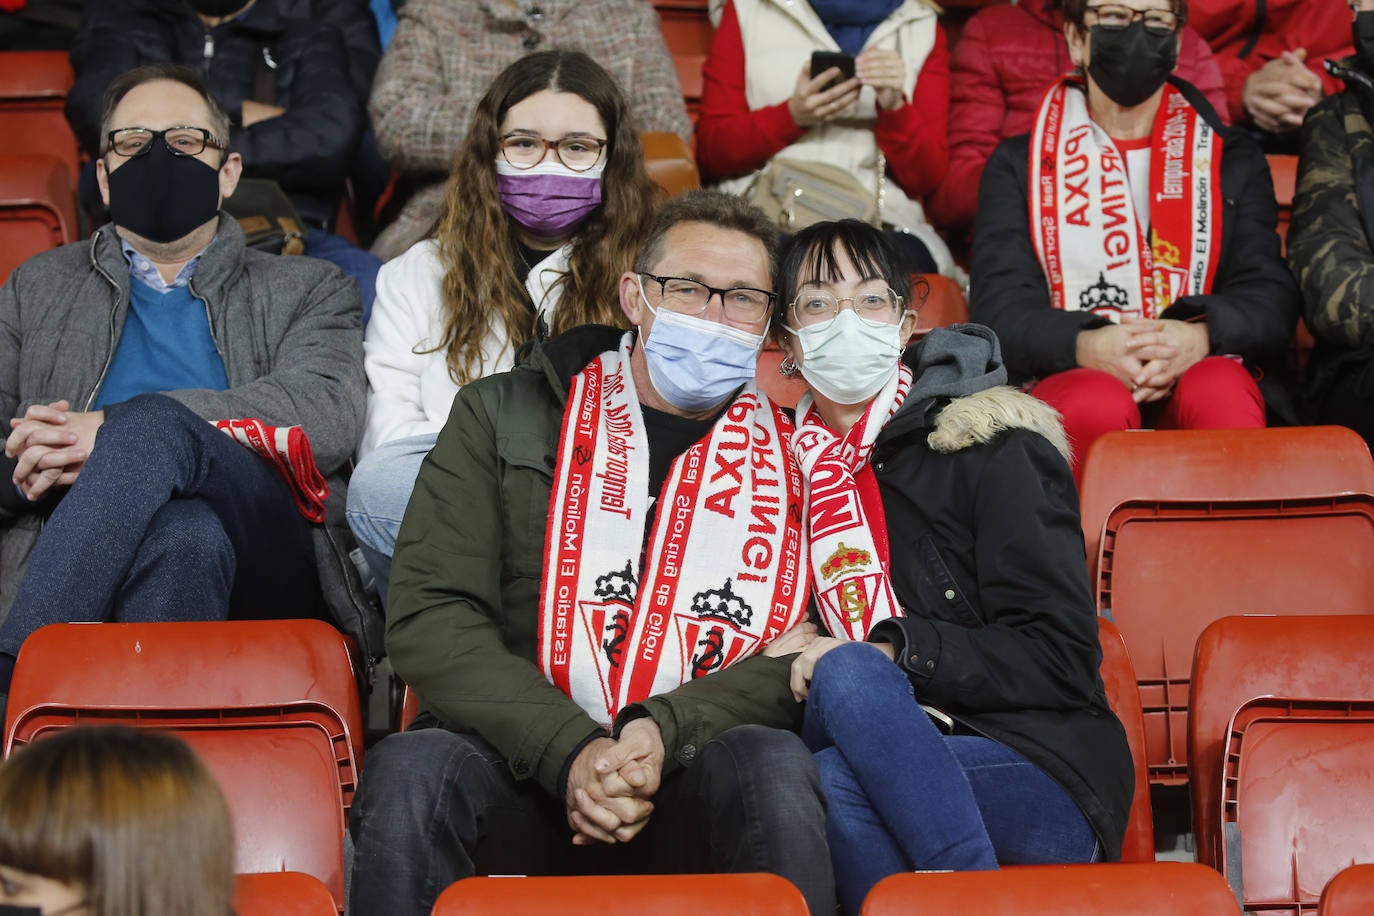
121,500
597,574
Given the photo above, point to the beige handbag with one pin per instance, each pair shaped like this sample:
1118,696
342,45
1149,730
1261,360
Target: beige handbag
797,194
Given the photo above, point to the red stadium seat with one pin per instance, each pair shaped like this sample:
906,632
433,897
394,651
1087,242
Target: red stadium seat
1298,799
283,893
1185,527
33,89
1239,659
410,708
1122,695
1140,889
668,160
687,32
939,302
37,208
272,706
660,895
1284,170
1350,893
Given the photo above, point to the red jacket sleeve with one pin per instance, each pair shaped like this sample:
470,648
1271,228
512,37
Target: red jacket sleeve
978,107
913,137
1198,65
731,139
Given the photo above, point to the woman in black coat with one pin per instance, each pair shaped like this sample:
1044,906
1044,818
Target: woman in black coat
944,536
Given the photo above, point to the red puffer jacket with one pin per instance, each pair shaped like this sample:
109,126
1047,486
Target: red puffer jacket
1006,59
1321,27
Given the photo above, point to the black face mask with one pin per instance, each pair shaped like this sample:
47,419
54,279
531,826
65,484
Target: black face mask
10,909
1130,64
216,8
162,197
1362,29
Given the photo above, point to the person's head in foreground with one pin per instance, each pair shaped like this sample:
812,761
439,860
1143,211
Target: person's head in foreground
113,821
843,316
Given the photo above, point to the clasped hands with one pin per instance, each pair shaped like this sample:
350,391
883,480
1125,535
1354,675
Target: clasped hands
1147,355
611,784
52,444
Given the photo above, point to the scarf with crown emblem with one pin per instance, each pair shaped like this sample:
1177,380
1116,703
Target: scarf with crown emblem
847,540
1083,220
723,573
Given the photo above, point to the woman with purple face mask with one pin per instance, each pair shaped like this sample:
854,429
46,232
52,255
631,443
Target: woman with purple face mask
545,205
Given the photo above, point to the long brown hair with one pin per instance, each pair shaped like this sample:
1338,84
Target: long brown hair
477,239
131,815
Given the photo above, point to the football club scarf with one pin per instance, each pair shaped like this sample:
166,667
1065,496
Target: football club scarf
1087,237
847,534
288,451
723,573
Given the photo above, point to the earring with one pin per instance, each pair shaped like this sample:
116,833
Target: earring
788,367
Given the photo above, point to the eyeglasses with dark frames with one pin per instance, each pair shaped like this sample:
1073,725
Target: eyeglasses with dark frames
1116,16
743,304
132,142
526,150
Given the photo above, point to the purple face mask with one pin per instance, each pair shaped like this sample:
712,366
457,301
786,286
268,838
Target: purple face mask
549,200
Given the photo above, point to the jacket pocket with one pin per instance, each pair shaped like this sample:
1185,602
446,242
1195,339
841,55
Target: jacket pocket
526,482
940,594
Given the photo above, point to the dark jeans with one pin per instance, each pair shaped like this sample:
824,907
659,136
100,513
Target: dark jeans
434,807
902,796
170,519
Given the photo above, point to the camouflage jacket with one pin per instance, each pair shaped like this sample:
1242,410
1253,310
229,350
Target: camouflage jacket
1331,238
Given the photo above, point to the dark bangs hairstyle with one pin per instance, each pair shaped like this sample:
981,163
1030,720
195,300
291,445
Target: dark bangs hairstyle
1074,10
477,240
812,256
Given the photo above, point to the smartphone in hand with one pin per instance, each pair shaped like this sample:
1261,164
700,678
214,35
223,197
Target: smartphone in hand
822,61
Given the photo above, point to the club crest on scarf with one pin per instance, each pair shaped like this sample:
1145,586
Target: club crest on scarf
723,573
1097,253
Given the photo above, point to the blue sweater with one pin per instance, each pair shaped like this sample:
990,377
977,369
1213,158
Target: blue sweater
165,346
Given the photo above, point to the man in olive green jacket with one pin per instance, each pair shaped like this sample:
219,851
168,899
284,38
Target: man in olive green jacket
503,771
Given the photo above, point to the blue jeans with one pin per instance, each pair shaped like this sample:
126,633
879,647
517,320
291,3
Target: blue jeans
170,519
434,807
902,796
359,263
378,493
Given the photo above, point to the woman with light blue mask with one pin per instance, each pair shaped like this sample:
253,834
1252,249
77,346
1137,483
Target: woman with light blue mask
953,698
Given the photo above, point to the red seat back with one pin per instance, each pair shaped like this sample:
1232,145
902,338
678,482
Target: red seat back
687,32
939,302
1350,893
1298,800
1241,658
660,895
33,89
37,208
668,160
1118,677
1139,889
283,893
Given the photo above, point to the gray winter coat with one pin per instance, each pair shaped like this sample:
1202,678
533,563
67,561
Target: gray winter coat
286,328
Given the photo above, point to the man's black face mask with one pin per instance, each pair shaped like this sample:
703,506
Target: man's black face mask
162,196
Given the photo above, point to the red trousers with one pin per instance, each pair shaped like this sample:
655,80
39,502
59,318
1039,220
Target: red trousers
1216,393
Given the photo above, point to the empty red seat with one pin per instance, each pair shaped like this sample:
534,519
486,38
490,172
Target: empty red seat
1298,800
659,895
668,160
1350,893
1118,678
1185,527
687,32
1140,889
33,90
939,302
1240,659
283,893
37,208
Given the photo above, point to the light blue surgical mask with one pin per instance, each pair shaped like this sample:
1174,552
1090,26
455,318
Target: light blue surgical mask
694,363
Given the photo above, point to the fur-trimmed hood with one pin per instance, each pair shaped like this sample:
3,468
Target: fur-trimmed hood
960,394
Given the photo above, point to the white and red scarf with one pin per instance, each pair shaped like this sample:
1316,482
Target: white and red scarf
848,539
1087,236
723,574
288,450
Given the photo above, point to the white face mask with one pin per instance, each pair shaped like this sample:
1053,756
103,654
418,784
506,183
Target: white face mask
848,360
